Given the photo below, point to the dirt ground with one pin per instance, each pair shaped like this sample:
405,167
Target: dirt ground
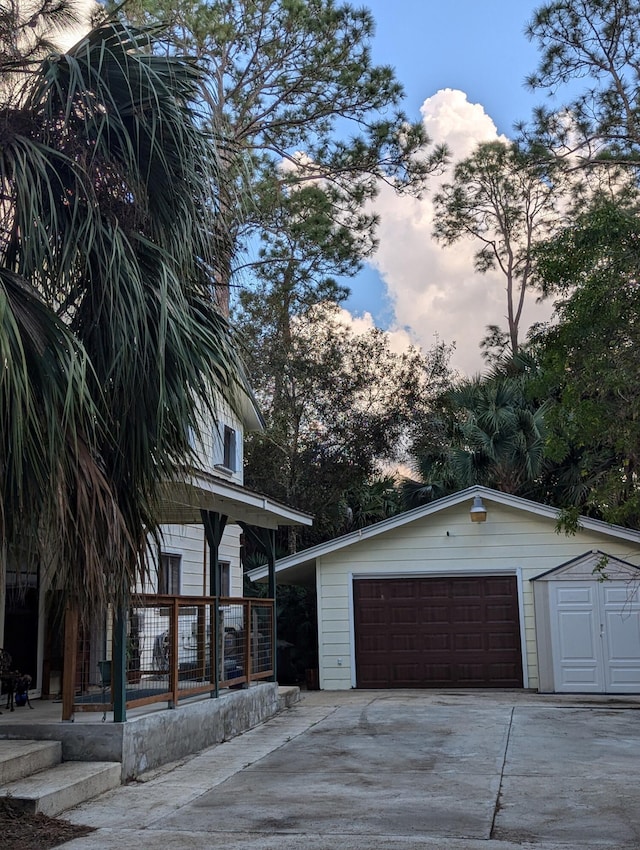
22,831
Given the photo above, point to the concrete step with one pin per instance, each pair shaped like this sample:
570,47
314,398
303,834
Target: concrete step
22,758
59,788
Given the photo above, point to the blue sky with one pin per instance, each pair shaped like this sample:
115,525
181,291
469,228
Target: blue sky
465,46
477,47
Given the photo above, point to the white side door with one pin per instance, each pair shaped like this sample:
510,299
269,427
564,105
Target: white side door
595,632
575,636
620,605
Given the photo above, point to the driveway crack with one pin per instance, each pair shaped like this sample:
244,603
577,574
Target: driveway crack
498,803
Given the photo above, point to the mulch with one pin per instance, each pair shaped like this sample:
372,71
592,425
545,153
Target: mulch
23,831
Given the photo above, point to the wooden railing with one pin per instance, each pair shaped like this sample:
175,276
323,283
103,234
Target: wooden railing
171,654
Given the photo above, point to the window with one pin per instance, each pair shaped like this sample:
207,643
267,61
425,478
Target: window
225,452
225,578
229,448
169,574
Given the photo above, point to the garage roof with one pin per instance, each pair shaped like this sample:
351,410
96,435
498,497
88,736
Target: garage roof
300,568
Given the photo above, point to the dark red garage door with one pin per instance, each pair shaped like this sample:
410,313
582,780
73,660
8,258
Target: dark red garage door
437,633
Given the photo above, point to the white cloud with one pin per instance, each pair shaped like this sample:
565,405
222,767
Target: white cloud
399,339
434,291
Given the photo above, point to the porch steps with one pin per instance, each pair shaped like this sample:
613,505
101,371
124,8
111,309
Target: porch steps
33,777
22,758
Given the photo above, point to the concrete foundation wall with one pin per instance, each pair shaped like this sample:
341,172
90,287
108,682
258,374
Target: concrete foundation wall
150,740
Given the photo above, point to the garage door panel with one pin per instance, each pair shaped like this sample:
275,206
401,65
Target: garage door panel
499,613
399,590
439,589
474,641
470,675
373,643
500,641
461,636
377,673
466,614
405,643
503,672
430,615
374,616
402,614
436,643
499,586
464,588
439,675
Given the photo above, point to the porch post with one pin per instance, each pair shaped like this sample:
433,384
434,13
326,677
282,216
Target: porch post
71,619
265,540
271,560
214,525
119,666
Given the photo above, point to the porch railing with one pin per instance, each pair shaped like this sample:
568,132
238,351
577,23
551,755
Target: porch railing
172,653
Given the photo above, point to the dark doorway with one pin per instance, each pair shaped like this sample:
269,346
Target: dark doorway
21,630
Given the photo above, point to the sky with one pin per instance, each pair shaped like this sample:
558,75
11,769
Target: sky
462,64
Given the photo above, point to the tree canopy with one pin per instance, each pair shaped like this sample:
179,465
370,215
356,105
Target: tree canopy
589,364
296,101
487,430
504,199
596,41
339,407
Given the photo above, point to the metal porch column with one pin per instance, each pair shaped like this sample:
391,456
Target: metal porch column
214,525
265,541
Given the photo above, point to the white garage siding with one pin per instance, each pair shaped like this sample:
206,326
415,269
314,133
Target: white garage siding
510,541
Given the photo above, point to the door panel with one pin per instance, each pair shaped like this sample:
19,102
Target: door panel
621,649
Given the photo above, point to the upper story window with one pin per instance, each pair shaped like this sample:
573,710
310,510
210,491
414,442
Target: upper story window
225,453
229,448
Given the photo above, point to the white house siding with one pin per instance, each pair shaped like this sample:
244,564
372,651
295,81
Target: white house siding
210,449
511,540
189,542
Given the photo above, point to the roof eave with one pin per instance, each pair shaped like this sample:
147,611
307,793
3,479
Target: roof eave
397,521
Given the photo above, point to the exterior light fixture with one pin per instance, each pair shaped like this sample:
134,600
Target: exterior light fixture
478,512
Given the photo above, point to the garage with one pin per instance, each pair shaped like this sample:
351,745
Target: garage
591,643
427,632
448,596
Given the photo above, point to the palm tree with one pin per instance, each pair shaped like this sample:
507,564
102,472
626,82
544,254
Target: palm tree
490,434
110,340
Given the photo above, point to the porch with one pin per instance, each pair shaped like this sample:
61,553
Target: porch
153,734
161,669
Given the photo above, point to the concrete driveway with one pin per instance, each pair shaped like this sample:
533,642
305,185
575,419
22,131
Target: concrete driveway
359,770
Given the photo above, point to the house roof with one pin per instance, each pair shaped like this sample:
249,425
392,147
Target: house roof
183,500
252,418
299,566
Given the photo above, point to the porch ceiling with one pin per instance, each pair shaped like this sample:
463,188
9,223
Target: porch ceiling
183,501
